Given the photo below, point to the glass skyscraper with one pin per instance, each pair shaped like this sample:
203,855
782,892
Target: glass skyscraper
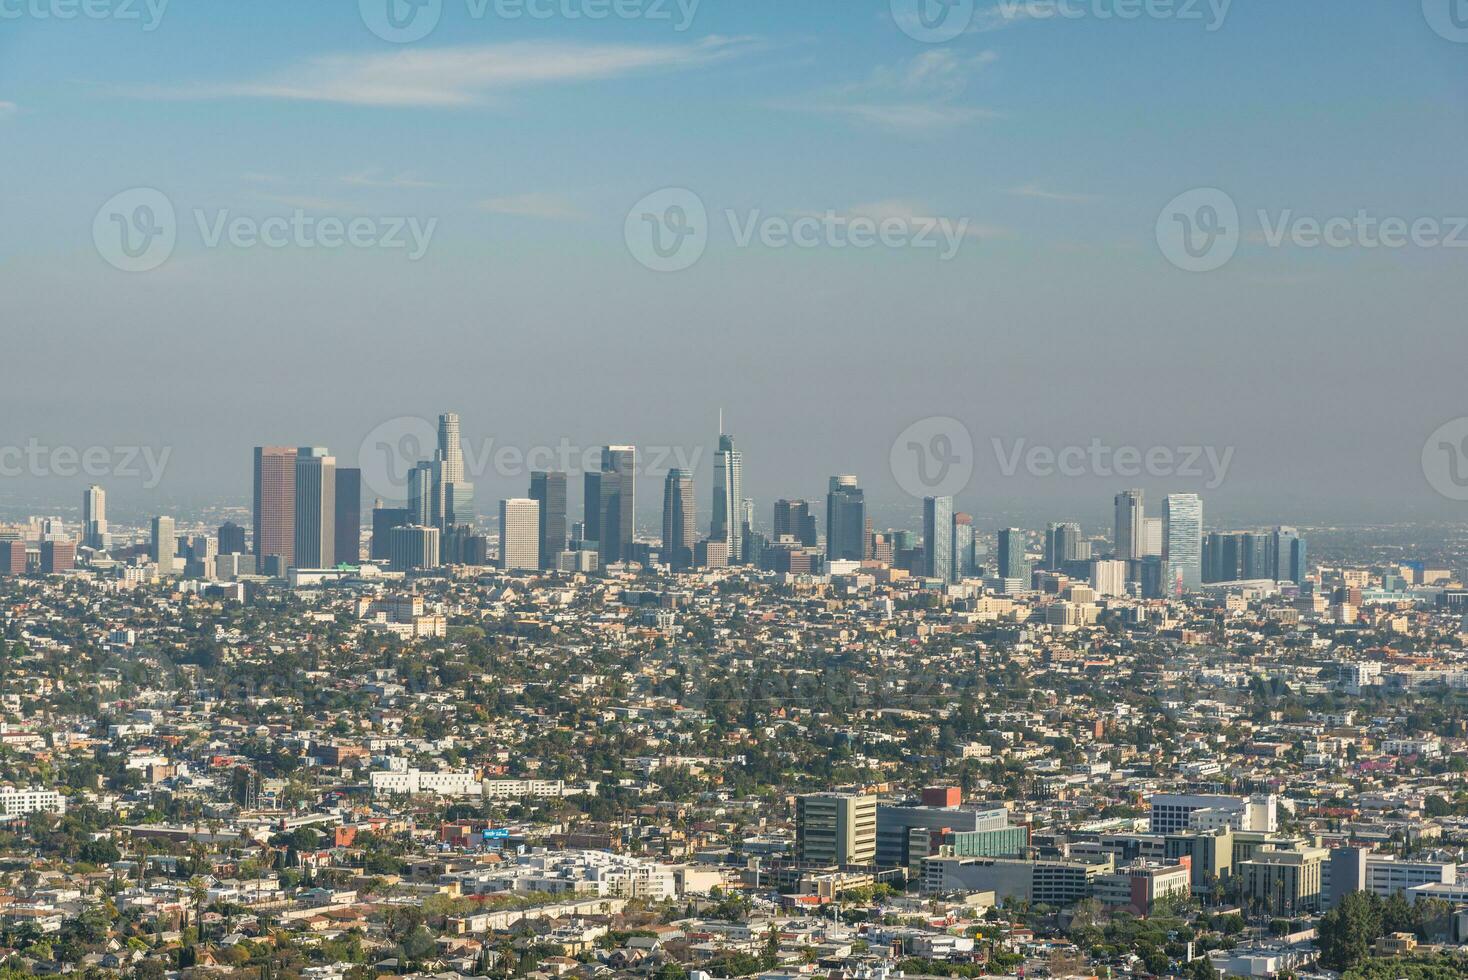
938,538
1182,542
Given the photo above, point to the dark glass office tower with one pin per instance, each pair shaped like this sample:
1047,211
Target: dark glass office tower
549,490
348,515
846,520
678,519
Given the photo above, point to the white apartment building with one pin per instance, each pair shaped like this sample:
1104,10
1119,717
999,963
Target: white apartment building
1174,813
19,802
410,781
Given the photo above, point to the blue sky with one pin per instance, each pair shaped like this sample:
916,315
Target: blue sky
1058,141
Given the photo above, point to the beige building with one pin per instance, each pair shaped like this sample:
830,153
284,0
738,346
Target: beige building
836,828
1284,882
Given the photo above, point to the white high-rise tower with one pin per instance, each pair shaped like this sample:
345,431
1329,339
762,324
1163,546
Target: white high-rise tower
728,495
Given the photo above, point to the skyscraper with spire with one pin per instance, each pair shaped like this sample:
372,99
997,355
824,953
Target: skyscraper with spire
728,495
453,494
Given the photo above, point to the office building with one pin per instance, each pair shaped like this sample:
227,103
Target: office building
1011,556
452,503
275,505
1152,536
727,523
964,564
163,545
420,494
231,538
315,508
846,517
836,829
57,557
938,538
549,491
519,534
413,547
1182,542
622,460
679,529
603,515
1056,883
347,523
895,826
1062,544
1289,555
94,519
793,519
1284,882
384,519
1173,813
1129,539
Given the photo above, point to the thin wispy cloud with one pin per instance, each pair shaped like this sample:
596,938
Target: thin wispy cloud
7,108
461,76
916,213
551,207
920,95
1044,194
374,178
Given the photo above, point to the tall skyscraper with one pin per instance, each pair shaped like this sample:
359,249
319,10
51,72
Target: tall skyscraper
938,538
519,534
1152,537
315,508
453,494
963,546
420,494
727,525
1289,555
549,490
794,519
348,519
1182,542
94,519
601,513
1062,544
275,504
1130,540
231,539
845,520
679,529
163,545
384,519
621,460
1012,561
